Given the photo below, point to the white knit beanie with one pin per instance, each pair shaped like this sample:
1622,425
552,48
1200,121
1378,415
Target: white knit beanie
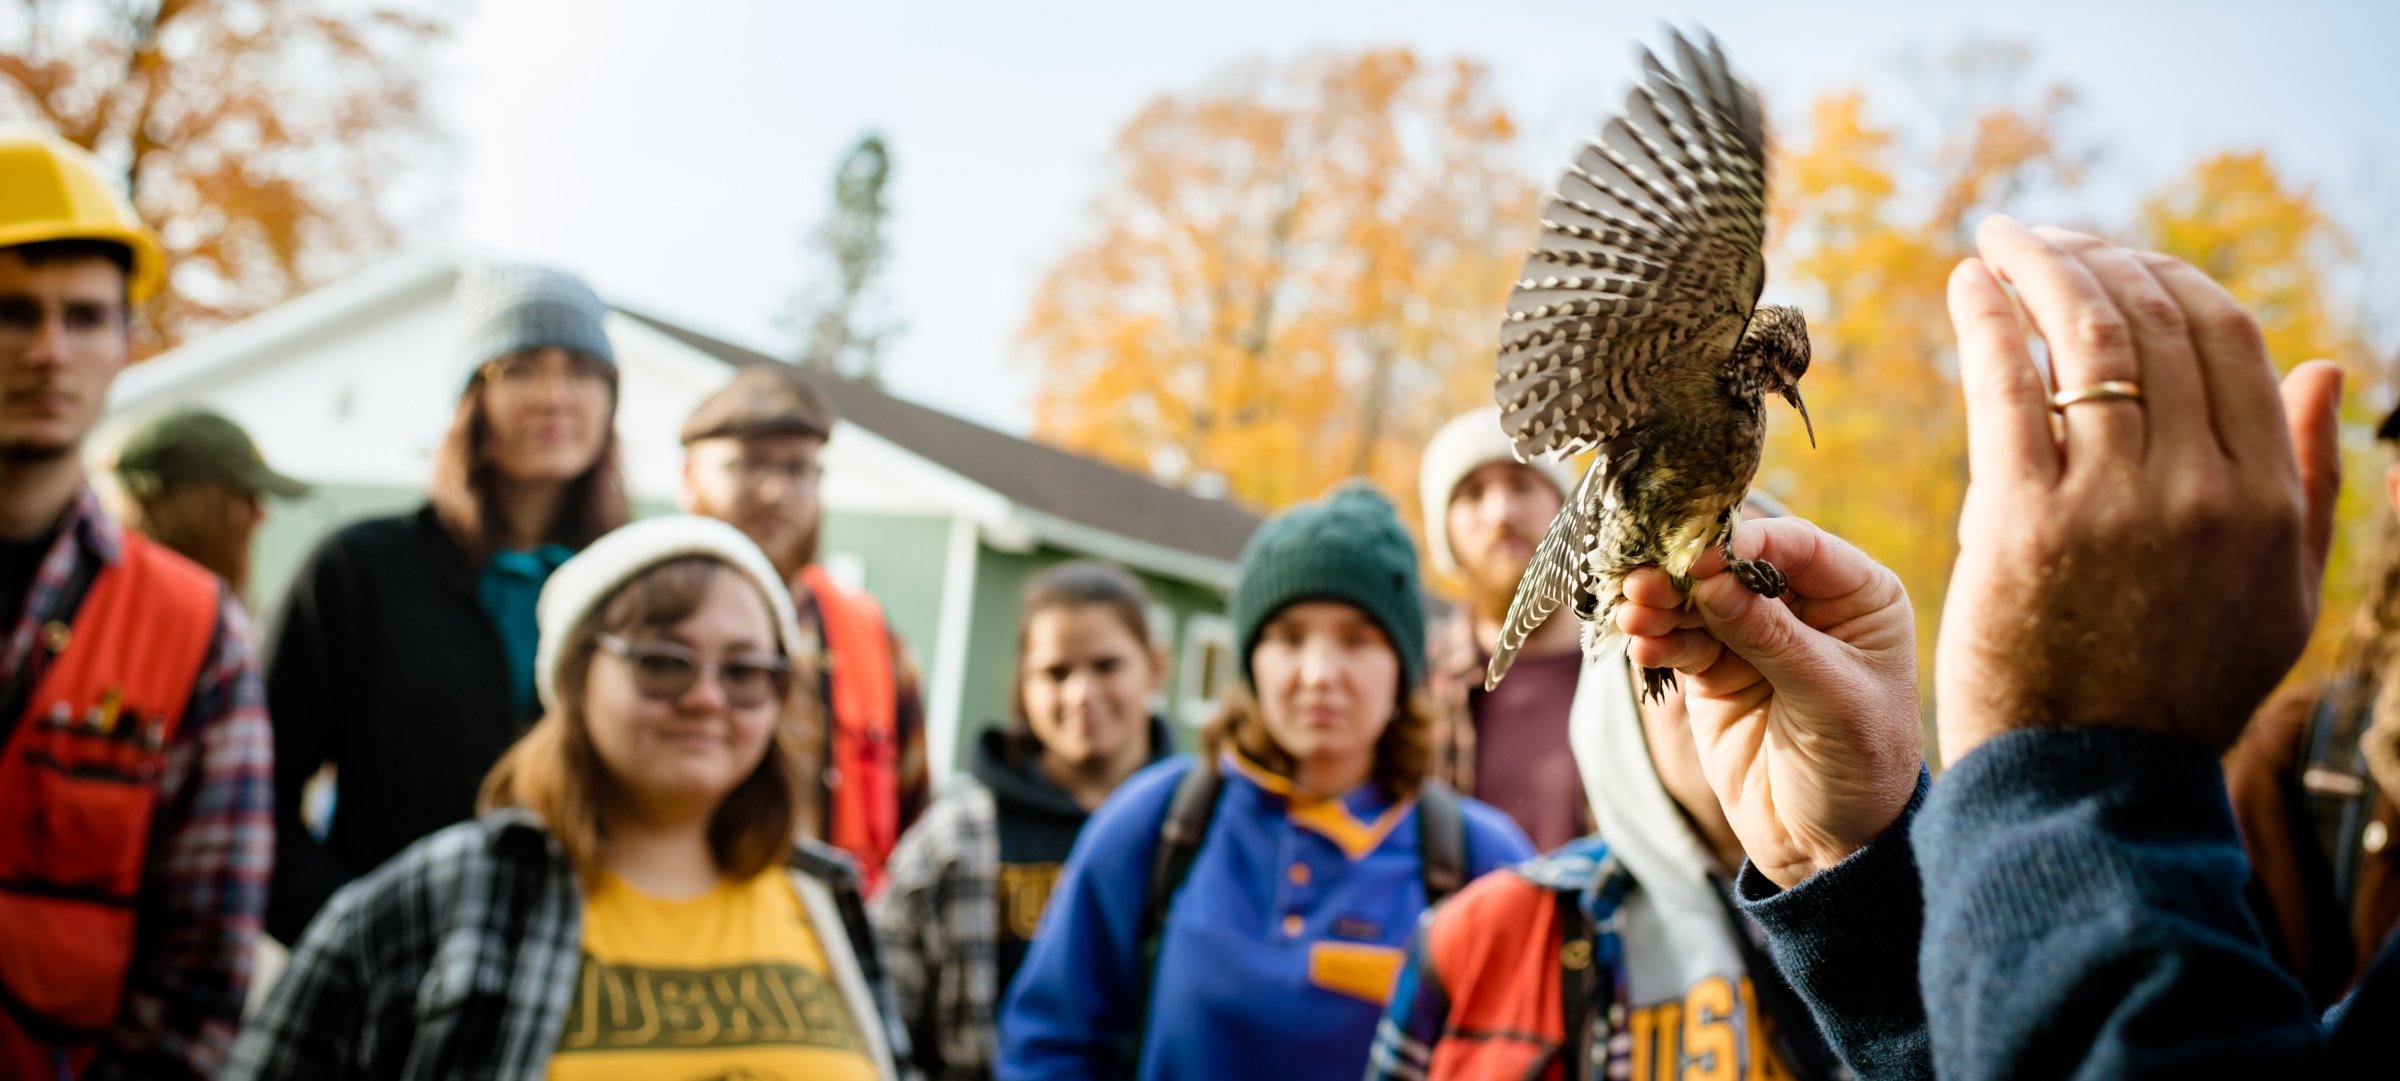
582,584
1463,446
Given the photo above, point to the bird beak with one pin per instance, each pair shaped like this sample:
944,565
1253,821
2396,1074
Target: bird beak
1792,395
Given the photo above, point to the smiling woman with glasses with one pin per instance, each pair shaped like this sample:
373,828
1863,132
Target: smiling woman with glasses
668,670
636,899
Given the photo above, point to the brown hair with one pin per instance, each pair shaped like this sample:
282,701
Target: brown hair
76,249
1076,584
465,503
554,771
1403,754
196,520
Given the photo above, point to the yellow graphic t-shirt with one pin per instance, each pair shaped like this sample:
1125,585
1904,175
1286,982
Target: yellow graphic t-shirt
730,984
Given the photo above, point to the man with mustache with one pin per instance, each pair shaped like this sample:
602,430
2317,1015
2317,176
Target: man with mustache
753,454
1484,512
136,818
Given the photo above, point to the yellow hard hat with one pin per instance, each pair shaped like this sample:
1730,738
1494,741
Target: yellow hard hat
51,189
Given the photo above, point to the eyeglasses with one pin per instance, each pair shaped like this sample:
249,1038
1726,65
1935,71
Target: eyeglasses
756,471
666,671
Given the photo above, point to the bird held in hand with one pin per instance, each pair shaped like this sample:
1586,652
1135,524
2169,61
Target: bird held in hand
1635,329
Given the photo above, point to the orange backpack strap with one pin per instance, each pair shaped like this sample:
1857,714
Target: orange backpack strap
78,789
865,746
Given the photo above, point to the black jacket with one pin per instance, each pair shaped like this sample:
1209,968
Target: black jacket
1036,823
385,666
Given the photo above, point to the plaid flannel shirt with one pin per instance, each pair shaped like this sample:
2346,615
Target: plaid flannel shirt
938,922
460,958
212,841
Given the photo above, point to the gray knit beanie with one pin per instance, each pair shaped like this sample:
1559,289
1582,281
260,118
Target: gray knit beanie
509,309
1347,547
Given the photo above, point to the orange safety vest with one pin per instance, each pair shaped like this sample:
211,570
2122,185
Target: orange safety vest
863,775
78,785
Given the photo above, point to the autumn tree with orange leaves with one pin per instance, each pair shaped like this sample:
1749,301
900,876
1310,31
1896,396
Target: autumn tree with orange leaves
1869,221
1295,275
261,138
1292,276
2269,242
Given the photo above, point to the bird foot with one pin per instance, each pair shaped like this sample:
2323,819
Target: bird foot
1760,576
1655,683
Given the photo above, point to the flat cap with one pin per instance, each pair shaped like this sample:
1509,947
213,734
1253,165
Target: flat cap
762,399
193,445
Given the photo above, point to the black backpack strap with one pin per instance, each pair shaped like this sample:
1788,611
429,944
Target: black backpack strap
1580,996
1442,841
1180,832
2337,790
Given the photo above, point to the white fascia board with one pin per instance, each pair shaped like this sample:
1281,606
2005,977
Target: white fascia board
629,334
309,313
981,505
1002,523
961,496
949,676
1117,547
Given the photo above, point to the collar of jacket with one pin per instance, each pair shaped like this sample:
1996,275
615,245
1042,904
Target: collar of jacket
1006,759
1356,821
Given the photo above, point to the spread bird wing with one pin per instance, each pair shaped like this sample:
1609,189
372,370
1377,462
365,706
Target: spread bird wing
1549,578
1650,251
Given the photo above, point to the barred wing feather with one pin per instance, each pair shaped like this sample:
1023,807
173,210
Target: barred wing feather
1650,252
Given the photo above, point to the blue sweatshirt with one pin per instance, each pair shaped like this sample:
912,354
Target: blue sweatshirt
2065,903
1276,958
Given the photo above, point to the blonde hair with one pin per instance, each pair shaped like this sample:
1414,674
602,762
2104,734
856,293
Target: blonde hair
554,771
196,519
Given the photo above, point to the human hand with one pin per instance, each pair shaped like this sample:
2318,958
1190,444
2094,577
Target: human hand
1804,708
2152,563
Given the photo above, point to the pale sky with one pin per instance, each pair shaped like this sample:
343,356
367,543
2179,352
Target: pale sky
674,153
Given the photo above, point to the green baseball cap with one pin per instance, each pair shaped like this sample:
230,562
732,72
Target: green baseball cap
189,445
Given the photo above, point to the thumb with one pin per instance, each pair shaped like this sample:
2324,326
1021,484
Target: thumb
2311,402
1762,630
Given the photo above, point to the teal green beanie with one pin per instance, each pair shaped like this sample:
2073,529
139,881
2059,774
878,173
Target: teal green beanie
1347,547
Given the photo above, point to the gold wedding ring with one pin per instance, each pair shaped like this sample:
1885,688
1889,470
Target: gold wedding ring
2112,390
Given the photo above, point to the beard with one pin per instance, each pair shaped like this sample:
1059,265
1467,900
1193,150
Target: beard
24,452
1492,580
794,554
